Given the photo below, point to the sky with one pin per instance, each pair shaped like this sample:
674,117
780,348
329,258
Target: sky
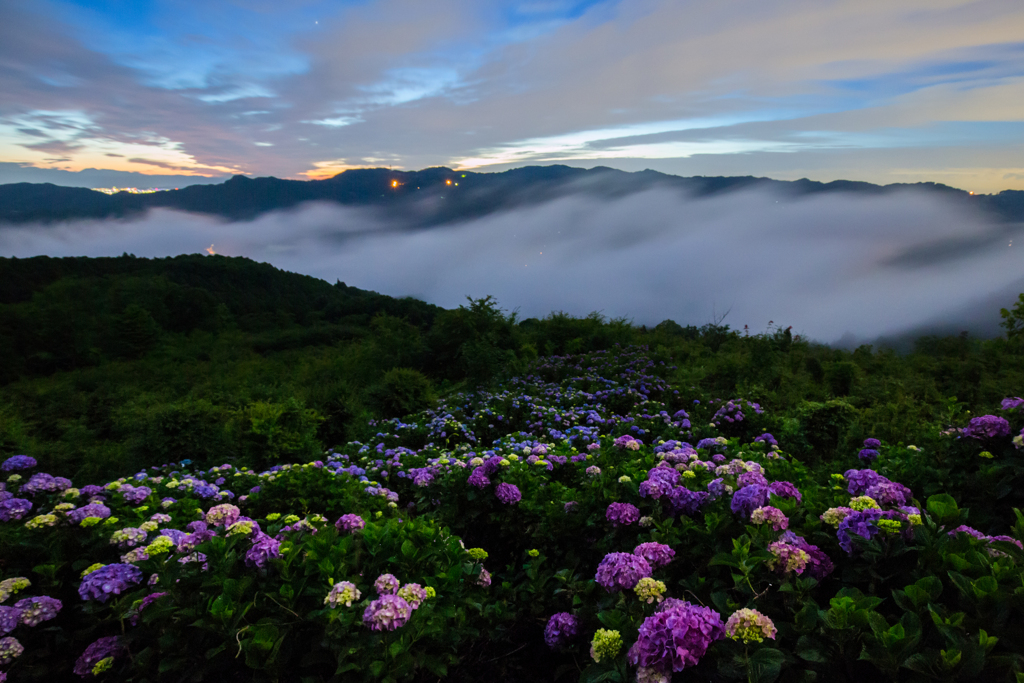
172,92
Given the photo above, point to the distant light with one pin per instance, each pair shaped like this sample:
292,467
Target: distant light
394,183
448,182
972,193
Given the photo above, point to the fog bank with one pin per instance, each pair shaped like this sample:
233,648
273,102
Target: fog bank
829,265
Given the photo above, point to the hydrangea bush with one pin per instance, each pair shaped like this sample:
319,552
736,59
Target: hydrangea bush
589,519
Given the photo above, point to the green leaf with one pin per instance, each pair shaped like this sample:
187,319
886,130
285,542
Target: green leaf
766,665
408,548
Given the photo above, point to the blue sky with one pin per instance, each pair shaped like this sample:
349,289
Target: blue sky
882,91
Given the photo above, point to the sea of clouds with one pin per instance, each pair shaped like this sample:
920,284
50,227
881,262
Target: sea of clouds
837,267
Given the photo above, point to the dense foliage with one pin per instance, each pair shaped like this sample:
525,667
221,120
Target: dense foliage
587,520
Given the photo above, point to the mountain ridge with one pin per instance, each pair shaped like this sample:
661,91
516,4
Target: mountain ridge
430,196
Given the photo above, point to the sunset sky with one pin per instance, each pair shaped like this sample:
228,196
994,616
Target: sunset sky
877,90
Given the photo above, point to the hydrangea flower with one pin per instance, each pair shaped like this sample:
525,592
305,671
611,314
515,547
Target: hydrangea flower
342,593
41,482
111,579
656,554
871,442
868,454
14,509
105,648
10,617
37,609
784,489
987,427
889,493
770,515
413,593
621,571
751,478
387,613
128,537
676,638
263,549
18,462
863,503
135,495
9,587
622,514
835,516
484,579
508,493
479,478
748,499
605,645
97,510
350,523
561,629
593,471
859,481
818,564
144,603
787,558
861,523
386,584
223,515
649,590
749,626
10,649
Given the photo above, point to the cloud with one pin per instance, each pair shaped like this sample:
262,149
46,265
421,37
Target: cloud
826,264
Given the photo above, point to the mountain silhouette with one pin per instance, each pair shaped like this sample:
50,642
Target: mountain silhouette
431,196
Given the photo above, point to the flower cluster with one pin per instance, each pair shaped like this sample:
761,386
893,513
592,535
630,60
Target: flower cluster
101,650
18,462
770,515
750,626
622,514
561,629
37,609
676,638
656,554
650,590
621,571
508,493
111,579
987,427
350,523
605,645
342,593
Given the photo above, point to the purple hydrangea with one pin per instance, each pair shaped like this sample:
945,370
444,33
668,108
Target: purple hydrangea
751,479
350,523
654,488
108,580
561,629
387,613
37,609
18,462
970,531
656,554
508,493
868,454
784,489
40,482
676,638
708,443
264,548
10,617
863,524
90,490
748,499
111,646
768,439
669,475
716,488
889,493
1012,403
819,565
621,571
14,508
136,495
386,584
479,478
683,501
860,480
872,443
176,535
987,427
622,514
98,510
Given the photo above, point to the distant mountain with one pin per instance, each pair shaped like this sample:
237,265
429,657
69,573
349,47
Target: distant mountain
428,197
